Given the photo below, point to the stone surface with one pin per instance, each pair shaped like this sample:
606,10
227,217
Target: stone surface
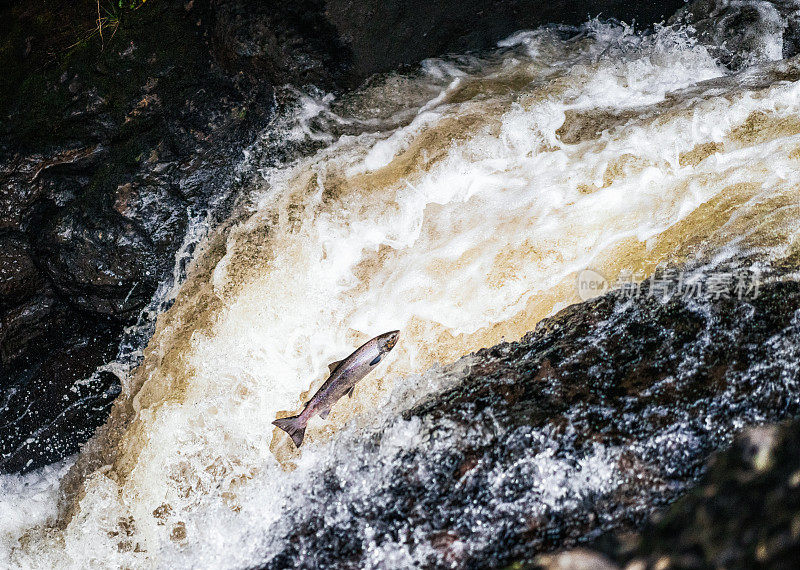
108,148
744,33
744,514
382,35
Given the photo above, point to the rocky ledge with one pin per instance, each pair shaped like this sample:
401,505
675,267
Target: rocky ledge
745,513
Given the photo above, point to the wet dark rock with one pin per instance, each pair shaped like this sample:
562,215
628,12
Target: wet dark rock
341,42
383,35
108,150
19,276
33,433
604,414
744,33
791,35
744,514
290,42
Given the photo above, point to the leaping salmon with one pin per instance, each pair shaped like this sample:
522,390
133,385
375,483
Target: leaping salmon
344,376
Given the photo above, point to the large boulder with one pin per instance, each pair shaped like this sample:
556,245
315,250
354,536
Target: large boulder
745,513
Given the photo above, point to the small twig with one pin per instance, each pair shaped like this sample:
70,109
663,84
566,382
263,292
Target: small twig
100,27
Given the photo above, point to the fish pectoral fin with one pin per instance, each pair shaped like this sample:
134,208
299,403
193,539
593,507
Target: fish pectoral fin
350,392
334,365
324,413
376,360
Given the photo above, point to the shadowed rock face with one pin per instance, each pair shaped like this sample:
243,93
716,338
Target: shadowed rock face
744,513
742,33
106,154
382,35
606,412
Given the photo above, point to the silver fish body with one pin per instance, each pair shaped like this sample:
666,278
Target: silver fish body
343,378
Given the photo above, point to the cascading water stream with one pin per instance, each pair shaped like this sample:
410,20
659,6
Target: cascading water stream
457,204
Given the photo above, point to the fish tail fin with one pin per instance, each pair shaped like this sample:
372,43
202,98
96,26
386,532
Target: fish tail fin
294,426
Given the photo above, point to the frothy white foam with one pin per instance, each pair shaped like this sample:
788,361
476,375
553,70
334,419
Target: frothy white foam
26,502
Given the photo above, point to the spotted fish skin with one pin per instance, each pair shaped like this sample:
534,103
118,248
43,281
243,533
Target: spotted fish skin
343,378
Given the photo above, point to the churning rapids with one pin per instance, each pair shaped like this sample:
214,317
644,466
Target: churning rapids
456,203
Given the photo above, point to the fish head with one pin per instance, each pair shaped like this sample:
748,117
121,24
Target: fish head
387,341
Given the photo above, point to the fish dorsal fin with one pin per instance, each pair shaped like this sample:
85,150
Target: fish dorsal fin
334,365
324,413
350,391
